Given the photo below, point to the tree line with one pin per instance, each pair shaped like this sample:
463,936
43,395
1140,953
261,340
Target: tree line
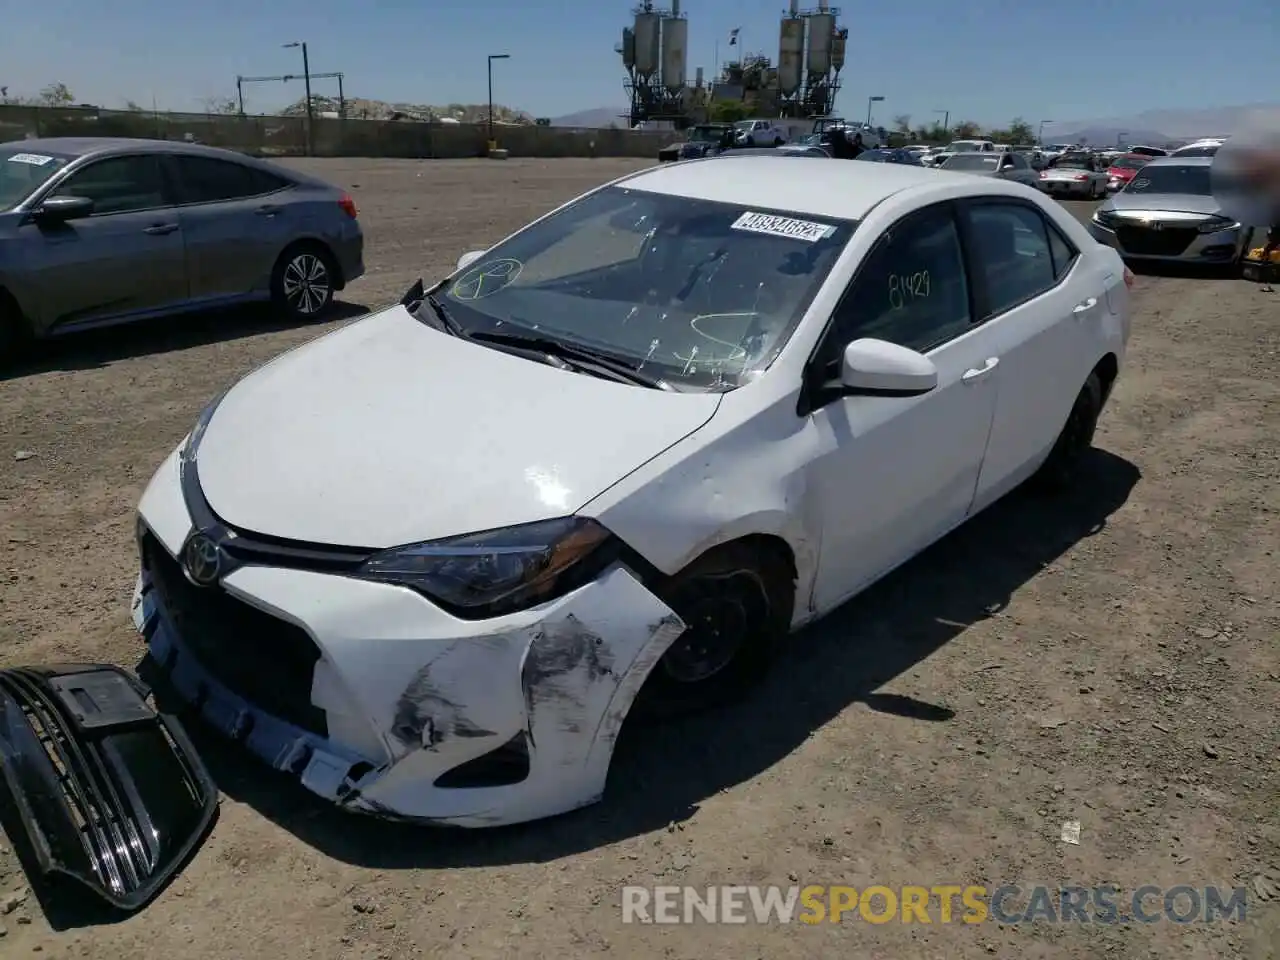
1018,131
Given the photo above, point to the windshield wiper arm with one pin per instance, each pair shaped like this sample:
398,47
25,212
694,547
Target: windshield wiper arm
579,356
416,296
442,313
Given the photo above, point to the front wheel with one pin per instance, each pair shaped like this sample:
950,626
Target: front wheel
303,282
1060,470
736,603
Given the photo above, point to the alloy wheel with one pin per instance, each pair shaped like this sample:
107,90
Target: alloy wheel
306,284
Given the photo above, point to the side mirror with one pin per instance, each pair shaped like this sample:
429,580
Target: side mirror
469,258
62,208
878,368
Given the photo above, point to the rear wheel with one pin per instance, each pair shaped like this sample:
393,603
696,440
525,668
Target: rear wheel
304,281
737,603
1062,467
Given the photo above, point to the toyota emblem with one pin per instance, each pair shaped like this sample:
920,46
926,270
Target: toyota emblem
202,558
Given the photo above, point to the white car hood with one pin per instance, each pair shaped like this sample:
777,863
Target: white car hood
389,432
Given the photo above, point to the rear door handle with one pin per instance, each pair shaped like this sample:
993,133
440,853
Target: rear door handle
976,374
159,229
267,211
1084,306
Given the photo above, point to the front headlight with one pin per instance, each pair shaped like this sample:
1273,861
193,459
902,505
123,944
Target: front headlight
1104,218
1217,224
498,571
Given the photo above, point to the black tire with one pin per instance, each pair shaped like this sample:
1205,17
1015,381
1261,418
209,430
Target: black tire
778,141
15,335
304,282
737,601
1062,467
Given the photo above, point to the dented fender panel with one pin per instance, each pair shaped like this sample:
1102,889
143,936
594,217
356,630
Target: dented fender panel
581,663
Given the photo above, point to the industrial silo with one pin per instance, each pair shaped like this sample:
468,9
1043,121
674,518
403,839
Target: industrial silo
838,43
790,56
821,28
628,48
675,49
648,43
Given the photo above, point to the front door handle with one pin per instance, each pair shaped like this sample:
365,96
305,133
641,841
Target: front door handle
267,211
159,229
1084,306
978,373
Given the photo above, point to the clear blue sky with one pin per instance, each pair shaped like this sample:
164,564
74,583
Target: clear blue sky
985,60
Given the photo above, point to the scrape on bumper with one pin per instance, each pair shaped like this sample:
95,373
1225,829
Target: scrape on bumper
559,680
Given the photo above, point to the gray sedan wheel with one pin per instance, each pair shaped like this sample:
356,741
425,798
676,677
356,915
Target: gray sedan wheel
303,283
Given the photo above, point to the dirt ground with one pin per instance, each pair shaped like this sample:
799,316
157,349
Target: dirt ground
1111,659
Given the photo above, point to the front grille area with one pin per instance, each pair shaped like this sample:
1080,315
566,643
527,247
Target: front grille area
1170,242
108,793
267,661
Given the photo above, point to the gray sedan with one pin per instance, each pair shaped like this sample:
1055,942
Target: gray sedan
1003,166
1167,212
103,231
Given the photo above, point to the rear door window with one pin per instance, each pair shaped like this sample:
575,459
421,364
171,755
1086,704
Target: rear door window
210,180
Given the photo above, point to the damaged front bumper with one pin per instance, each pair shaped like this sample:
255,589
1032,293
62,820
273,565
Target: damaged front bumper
382,702
105,791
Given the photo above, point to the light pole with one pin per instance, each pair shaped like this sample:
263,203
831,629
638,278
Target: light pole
1040,132
946,120
493,57
306,81
870,101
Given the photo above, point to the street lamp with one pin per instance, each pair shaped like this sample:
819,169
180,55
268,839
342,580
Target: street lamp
870,101
946,120
493,57
1040,132
306,80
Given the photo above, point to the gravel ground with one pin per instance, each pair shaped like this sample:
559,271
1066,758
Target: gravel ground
1110,659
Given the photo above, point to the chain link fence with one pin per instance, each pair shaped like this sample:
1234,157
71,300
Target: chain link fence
268,136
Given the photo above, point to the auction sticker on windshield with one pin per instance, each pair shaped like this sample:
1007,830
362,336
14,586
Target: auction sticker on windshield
35,159
775,226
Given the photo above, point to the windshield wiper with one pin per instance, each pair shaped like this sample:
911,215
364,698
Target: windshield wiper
416,296
581,357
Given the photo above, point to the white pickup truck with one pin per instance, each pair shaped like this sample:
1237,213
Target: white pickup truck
761,133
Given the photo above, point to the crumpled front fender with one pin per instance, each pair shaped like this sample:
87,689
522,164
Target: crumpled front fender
580,667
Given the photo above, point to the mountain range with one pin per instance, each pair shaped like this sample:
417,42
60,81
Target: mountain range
1148,126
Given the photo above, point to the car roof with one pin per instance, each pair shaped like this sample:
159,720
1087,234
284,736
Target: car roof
78,147
1180,162
85,146
829,187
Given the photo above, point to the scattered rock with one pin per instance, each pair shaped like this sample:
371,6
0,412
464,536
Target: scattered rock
1210,751
10,902
23,455
1206,633
363,906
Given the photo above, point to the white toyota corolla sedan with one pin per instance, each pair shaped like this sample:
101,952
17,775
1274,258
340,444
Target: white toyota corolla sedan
430,562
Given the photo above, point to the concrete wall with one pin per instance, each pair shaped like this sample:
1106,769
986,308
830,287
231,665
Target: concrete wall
286,136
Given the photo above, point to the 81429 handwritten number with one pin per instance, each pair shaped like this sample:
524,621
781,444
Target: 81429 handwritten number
905,288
